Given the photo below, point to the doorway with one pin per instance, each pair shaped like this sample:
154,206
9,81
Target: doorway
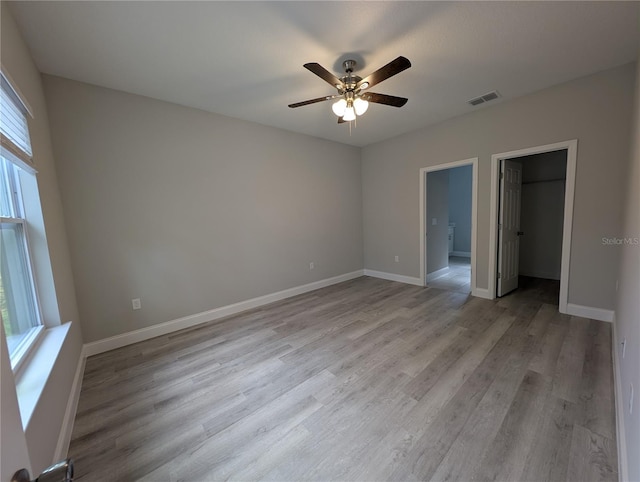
448,214
545,175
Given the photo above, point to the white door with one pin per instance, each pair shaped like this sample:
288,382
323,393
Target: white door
509,226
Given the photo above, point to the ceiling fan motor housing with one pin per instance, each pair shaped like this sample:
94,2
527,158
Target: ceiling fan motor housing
349,80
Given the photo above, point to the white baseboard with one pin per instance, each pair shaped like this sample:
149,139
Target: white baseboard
64,439
160,329
623,466
461,254
437,273
393,277
590,312
482,293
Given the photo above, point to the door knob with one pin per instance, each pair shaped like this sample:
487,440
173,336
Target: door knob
60,472
520,233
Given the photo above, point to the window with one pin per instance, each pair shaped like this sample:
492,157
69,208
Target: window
18,298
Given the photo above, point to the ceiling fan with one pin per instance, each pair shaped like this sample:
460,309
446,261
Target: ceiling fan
352,99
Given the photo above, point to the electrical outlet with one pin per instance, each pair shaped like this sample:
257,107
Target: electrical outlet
312,265
631,400
624,347
397,259
136,304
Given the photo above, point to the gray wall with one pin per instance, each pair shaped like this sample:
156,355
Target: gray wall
438,209
542,214
190,211
628,302
573,110
460,190
54,277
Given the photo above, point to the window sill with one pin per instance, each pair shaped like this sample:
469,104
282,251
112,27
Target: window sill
23,349
36,370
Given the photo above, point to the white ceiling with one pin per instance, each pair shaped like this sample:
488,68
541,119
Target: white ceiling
244,59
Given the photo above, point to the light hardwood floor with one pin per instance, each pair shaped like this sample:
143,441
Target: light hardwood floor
457,277
365,380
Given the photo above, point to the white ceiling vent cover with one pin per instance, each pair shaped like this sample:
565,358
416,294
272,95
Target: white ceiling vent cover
484,98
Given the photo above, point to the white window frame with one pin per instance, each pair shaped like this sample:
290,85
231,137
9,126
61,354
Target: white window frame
17,160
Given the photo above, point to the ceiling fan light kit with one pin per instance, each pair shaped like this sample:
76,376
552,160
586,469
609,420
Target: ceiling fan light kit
360,105
352,100
349,114
339,107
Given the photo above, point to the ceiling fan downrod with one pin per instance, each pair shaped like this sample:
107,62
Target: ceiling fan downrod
349,66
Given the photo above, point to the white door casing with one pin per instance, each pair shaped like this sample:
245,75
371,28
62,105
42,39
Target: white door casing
509,226
572,159
474,220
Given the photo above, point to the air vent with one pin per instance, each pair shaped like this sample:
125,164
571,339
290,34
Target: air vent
484,98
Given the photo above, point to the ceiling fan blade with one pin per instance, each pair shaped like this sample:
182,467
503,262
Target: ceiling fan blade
385,99
324,74
341,120
313,101
392,68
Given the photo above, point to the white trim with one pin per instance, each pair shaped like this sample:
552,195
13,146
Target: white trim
589,312
461,254
437,273
16,90
10,156
149,332
473,162
35,373
21,354
64,439
623,462
410,280
572,152
482,293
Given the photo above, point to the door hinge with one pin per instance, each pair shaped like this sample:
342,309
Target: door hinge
499,226
502,175
499,275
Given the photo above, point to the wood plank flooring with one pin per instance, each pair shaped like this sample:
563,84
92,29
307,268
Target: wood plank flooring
456,278
365,380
